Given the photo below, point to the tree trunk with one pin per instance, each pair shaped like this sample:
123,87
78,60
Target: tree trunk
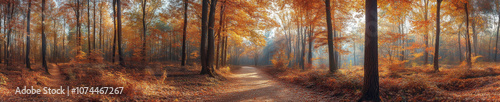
426,36
184,31
438,30
203,51
119,20
93,38
311,39
211,43
88,28
114,35
100,28
371,80
459,48
28,64
144,31
331,58
44,40
469,63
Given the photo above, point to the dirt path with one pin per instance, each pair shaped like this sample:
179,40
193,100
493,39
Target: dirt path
251,84
55,75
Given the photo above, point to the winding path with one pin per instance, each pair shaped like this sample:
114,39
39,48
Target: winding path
251,84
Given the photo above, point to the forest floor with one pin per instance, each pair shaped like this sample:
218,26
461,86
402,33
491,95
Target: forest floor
150,82
418,83
250,84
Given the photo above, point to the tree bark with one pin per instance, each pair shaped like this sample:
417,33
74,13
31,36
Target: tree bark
184,31
370,79
44,40
426,36
144,31
88,28
114,35
119,20
331,58
438,30
28,64
469,63
211,43
203,51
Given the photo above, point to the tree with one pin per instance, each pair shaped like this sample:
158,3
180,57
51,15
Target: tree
204,32
370,79
144,31
88,27
119,21
28,64
184,30
93,31
211,40
44,41
426,36
114,33
469,63
332,62
438,30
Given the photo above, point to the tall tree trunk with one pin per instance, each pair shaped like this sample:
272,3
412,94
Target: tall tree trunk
332,61
311,41
426,36
115,32
93,38
211,43
54,52
459,48
119,20
184,31
44,40
438,30
88,28
79,34
204,29
28,64
371,80
469,63
100,28
219,37
144,31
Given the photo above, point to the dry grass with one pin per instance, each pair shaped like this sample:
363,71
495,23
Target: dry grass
150,82
418,83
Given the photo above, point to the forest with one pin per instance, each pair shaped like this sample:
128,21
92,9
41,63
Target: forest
249,50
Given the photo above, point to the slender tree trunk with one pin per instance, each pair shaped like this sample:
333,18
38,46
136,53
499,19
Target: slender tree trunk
44,41
184,31
100,28
311,41
426,36
331,58
371,80
88,27
438,30
28,64
144,31
119,21
93,38
115,31
469,63
459,48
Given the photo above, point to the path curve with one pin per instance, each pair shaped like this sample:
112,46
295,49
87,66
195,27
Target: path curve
251,84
